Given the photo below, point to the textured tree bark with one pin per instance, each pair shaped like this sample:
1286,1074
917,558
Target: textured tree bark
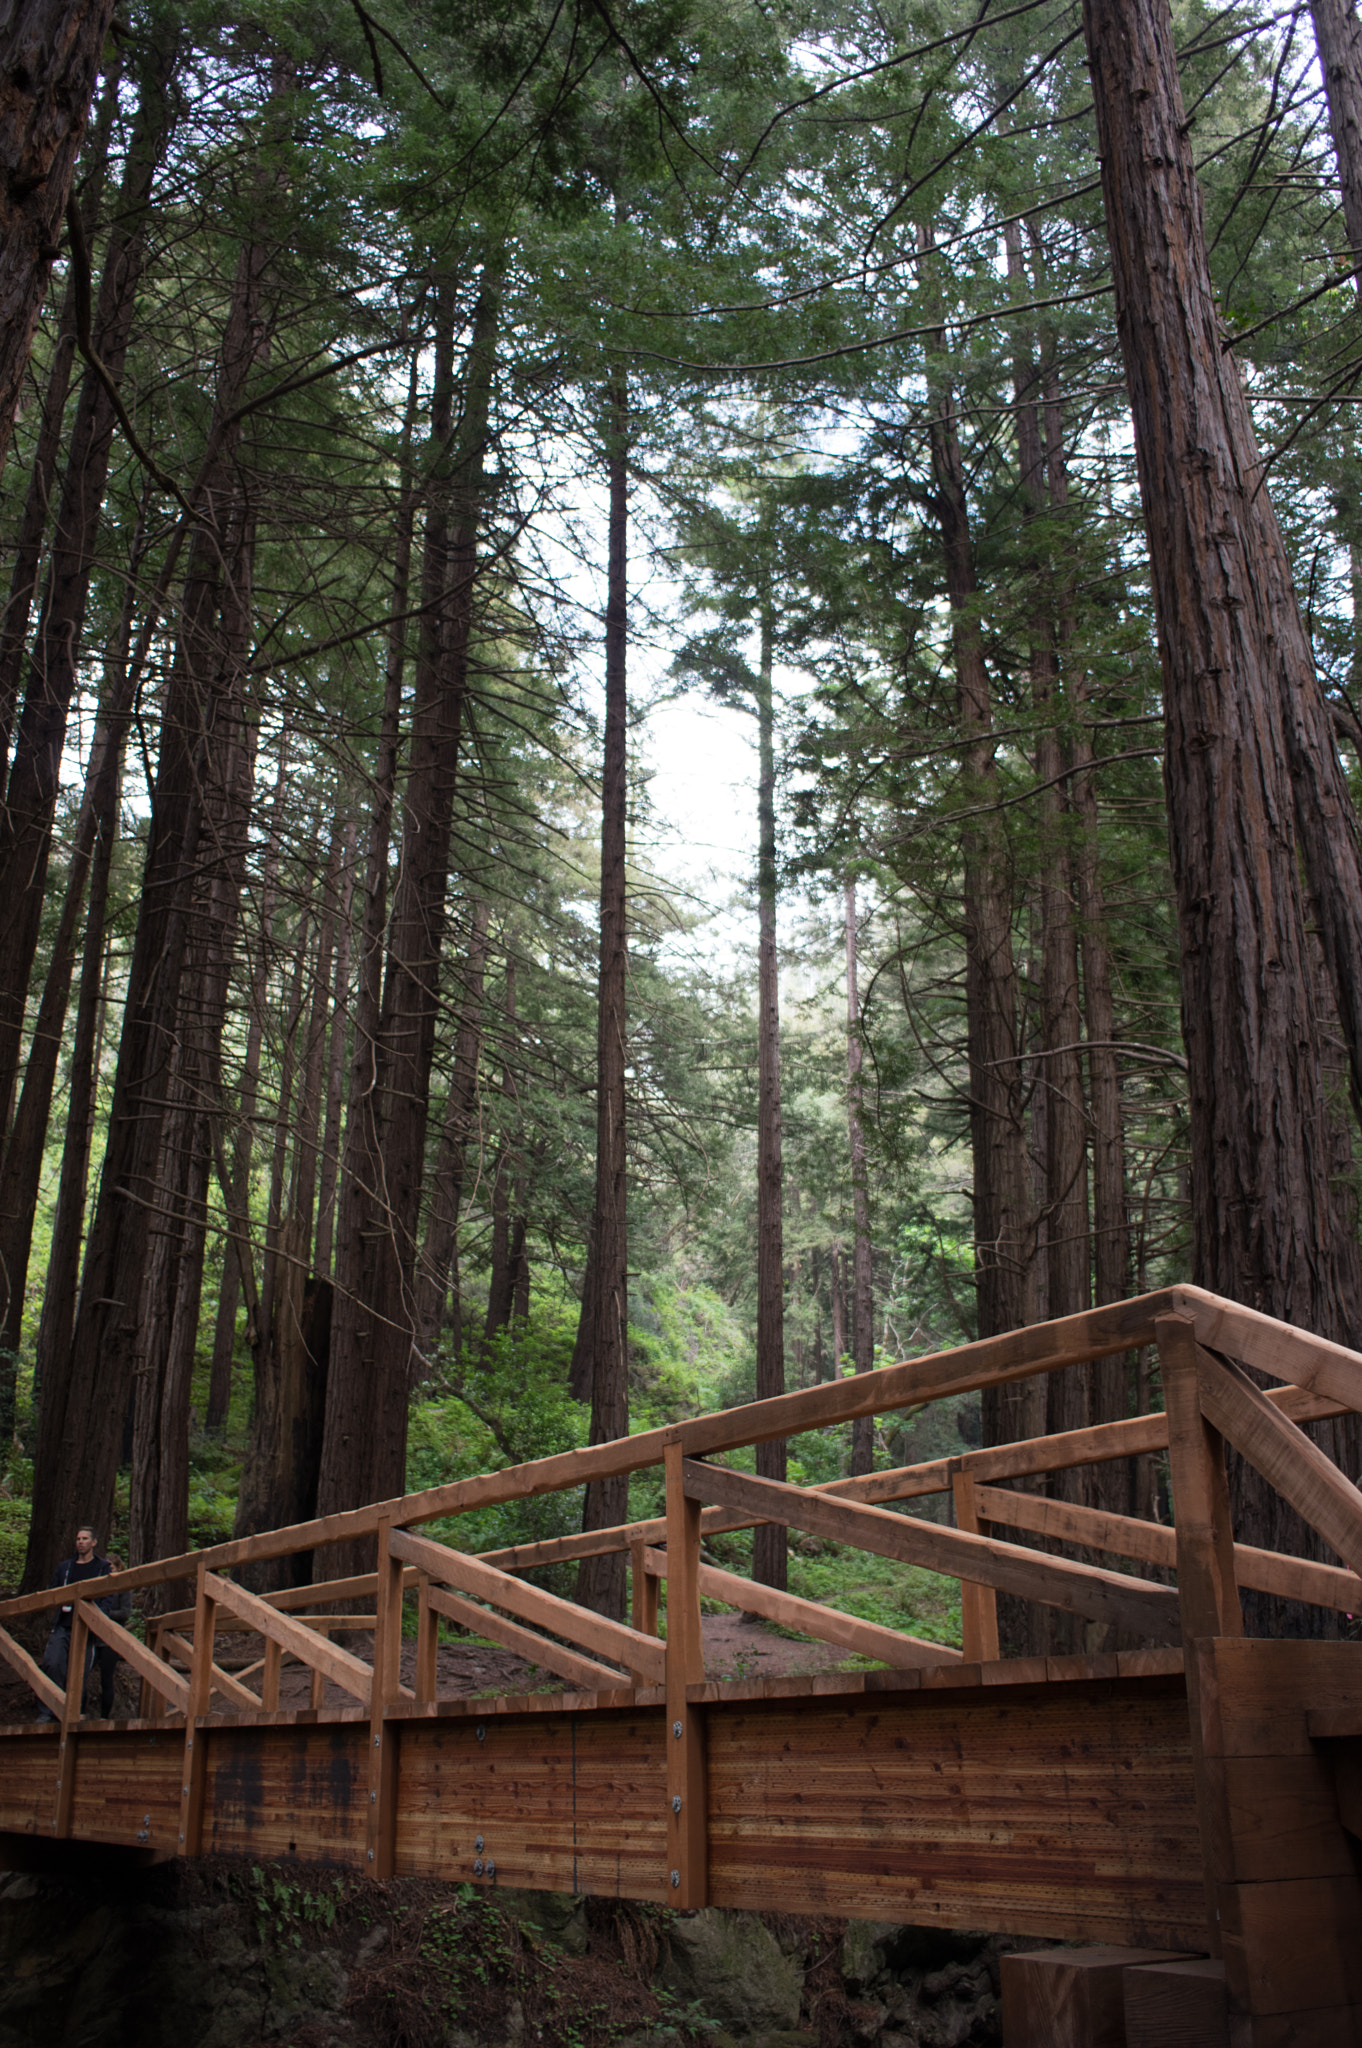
31,792
42,472
505,1182
279,1477
601,1580
768,1540
283,1113
49,59
368,1382
77,1452
442,1224
237,1195
1004,1226
862,1272
1338,39
1239,692
307,1143
329,1169
96,829
1059,1067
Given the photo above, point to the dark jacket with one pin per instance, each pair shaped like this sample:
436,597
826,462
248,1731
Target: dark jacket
62,1577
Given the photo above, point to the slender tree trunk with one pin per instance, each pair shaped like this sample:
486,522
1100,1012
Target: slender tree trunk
1338,39
77,1452
601,1580
63,1266
501,1282
31,792
275,1214
364,1454
96,826
836,1267
862,1288
335,1071
442,1225
1004,1230
49,59
248,1094
1237,683
768,1539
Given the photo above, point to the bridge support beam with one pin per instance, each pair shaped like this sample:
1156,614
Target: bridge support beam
687,1791
381,1829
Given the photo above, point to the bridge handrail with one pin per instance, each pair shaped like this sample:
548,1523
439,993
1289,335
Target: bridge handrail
1321,1369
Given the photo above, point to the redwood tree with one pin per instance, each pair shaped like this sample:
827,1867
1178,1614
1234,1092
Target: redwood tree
1239,688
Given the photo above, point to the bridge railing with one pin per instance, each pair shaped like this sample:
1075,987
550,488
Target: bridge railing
1203,1344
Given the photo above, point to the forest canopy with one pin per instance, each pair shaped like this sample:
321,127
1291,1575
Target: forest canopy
949,409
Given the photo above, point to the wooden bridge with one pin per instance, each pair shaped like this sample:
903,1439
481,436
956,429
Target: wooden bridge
1202,1795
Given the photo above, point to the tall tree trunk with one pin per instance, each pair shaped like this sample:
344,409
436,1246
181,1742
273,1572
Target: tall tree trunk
77,1451
769,1546
364,1453
862,1287
1338,39
1234,659
31,792
335,1068
501,1282
1004,1230
49,59
442,1224
279,1475
307,1150
172,1283
237,1195
601,1580
283,1111
96,827
42,472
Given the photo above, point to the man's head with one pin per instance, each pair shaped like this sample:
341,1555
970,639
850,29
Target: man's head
85,1543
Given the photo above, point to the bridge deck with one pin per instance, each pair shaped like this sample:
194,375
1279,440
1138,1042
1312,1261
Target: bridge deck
1204,1796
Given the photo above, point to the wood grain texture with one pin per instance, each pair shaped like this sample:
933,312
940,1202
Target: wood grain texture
288,1791
1207,1593
587,1675
825,1624
127,1788
1067,1813
135,1655
1079,1588
1314,1363
530,1603
308,1645
1295,1578
1176,2004
574,1802
31,1672
1287,1458
1069,1997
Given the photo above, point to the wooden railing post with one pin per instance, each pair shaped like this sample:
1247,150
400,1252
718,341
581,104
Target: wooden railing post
381,1835
194,1777
1207,1594
66,1736
643,1599
269,1677
978,1604
687,1790
427,1643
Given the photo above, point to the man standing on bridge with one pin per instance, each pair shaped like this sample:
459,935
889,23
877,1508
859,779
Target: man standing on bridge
85,1564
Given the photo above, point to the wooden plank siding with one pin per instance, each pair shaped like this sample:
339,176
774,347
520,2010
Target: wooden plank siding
1057,1810
571,1802
1062,1807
